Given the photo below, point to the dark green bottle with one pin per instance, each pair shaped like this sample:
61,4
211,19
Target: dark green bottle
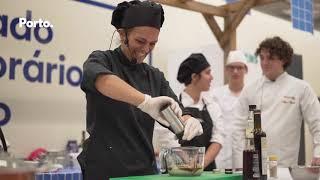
260,143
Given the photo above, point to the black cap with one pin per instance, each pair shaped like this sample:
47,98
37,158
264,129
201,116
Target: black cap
252,107
136,13
195,63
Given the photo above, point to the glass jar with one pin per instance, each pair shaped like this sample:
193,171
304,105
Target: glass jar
273,163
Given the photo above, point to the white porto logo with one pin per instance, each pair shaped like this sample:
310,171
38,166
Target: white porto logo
31,24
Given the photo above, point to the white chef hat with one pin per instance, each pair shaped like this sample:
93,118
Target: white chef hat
236,56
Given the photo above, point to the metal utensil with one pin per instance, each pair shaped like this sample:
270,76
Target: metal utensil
174,121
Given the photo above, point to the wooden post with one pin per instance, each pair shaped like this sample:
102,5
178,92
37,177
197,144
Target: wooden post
230,44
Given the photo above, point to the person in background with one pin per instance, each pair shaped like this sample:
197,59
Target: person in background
227,96
285,102
195,74
124,97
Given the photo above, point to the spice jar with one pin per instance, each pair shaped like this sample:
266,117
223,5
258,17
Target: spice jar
273,163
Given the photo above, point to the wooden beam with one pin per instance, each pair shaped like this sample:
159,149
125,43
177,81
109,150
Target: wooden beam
232,38
213,26
236,20
195,6
232,7
231,42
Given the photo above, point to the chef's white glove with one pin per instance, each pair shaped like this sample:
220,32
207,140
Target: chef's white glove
192,128
176,108
152,106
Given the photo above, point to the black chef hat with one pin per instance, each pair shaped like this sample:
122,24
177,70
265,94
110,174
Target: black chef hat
195,63
137,13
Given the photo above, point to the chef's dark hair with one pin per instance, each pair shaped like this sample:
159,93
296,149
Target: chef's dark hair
277,47
195,63
137,13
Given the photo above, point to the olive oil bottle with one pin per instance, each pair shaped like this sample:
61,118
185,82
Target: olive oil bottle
260,143
250,122
251,168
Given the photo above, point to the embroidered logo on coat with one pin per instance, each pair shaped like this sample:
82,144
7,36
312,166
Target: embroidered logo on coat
289,99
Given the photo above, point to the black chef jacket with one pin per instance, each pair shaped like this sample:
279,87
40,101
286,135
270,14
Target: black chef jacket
120,142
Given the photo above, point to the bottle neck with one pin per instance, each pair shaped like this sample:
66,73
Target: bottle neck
257,120
250,115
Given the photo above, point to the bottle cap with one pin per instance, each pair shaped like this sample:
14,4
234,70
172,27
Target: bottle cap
228,171
252,107
273,158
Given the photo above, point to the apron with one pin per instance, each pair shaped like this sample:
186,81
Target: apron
207,125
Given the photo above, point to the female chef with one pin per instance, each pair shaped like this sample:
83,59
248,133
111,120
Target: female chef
195,74
124,97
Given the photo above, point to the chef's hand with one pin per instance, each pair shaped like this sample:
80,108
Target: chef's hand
176,108
152,107
314,162
192,128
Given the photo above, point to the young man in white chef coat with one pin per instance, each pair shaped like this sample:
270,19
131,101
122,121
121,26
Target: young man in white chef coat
285,102
227,96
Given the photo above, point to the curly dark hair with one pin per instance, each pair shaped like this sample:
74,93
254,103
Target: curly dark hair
277,47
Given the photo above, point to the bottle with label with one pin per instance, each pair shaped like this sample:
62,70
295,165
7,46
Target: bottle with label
250,155
251,169
260,143
250,124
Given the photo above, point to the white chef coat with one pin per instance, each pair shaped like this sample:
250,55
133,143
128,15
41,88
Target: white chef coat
214,112
227,100
284,103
